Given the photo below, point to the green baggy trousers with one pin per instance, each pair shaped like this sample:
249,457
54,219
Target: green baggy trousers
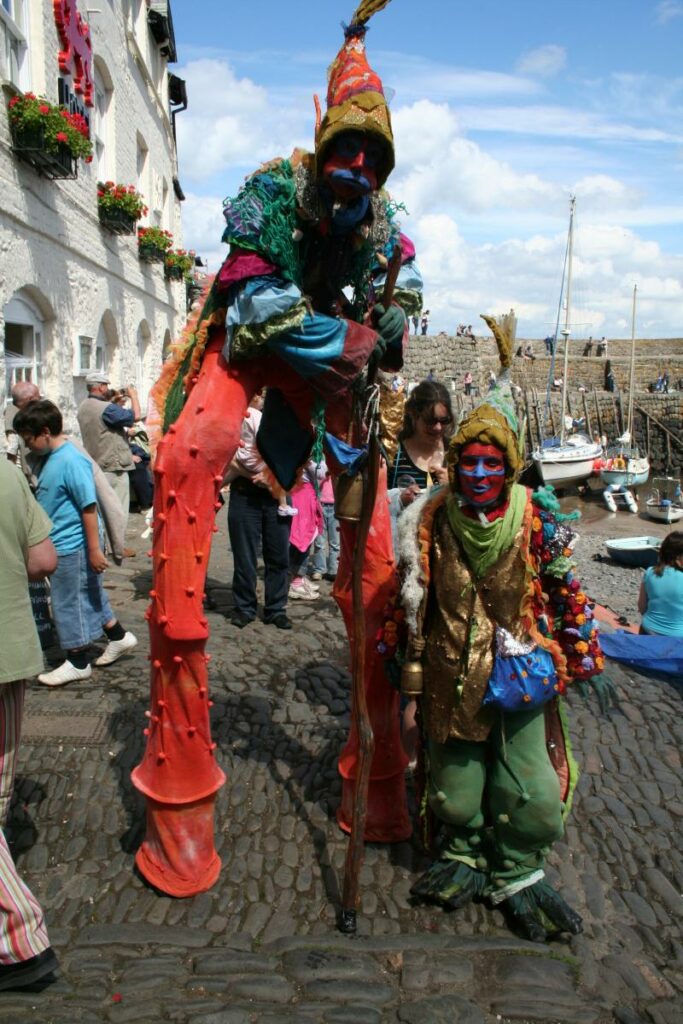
499,799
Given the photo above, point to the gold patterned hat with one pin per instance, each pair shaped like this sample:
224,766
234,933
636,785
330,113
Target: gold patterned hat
493,420
355,95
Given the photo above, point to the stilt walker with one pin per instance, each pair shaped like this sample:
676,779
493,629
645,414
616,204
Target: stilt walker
304,233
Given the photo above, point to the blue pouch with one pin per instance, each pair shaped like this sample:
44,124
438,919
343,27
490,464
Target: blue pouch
522,680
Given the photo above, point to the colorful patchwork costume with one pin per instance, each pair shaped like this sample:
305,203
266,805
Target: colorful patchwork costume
294,309
501,626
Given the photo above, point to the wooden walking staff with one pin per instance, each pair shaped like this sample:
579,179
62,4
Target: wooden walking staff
359,706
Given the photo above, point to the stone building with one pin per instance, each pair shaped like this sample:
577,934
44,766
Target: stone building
74,296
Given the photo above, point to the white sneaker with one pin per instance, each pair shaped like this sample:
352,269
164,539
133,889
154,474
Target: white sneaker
66,673
287,510
115,648
302,592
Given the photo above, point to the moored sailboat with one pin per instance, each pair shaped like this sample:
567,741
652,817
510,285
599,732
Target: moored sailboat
570,458
624,464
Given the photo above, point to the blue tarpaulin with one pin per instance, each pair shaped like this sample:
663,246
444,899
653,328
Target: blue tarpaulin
659,653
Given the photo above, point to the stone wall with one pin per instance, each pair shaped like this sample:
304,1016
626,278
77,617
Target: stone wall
450,357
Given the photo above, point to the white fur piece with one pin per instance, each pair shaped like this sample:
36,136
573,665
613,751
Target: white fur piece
412,590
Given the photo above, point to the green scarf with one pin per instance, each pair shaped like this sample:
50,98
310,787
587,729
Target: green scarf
485,544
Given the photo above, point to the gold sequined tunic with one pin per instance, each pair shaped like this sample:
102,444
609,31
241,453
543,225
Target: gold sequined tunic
459,650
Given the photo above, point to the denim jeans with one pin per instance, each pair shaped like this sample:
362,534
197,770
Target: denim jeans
329,537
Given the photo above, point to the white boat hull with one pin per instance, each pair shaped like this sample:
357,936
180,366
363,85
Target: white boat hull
664,513
566,464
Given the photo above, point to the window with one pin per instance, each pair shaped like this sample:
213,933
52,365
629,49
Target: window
14,62
99,122
23,342
142,367
142,166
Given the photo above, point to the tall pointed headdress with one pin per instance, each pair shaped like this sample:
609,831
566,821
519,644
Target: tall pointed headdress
355,95
493,420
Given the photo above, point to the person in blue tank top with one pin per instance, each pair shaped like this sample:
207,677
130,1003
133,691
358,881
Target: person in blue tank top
661,593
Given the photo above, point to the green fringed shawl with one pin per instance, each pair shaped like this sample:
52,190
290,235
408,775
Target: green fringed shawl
485,544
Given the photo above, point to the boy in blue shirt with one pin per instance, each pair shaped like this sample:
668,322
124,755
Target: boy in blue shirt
66,490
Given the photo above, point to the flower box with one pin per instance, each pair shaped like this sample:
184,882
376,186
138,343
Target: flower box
30,145
173,273
151,254
117,221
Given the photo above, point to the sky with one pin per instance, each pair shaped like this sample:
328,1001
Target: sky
501,111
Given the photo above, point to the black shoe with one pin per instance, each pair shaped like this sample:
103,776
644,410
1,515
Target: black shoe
239,620
28,972
330,577
280,621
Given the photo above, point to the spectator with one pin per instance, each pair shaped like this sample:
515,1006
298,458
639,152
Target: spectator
660,602
588,347
424,322
66,491
431,375
254,522
549,343
103,422
460,331
27,554
325,563
528,352
602,347
467,381
492,380
665,382
419,464
23,392
305,528
469,333
610,382
416,323
141,477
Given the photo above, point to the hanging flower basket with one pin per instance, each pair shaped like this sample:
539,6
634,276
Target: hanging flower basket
153,244
119,207
178,264
117,221
30,146
49,138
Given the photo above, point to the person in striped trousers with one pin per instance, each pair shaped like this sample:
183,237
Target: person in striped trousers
26,553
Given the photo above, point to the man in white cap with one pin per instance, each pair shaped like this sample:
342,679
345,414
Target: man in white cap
103,422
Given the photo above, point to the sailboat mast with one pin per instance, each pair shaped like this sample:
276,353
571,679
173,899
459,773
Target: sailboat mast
633,365
567,316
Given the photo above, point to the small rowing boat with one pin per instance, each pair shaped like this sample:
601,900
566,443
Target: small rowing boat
636,551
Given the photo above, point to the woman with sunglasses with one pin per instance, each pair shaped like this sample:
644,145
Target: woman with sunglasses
427,427
418,465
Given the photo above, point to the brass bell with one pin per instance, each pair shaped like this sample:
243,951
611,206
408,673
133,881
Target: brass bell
348,497
412,680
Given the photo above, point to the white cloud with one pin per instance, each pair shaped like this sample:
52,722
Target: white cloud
544,61
203,226
668,9
234,122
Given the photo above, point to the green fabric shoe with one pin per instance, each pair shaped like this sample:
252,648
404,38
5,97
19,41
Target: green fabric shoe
539,913
450,883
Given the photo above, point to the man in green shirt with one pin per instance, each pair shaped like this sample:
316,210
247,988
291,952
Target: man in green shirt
26,553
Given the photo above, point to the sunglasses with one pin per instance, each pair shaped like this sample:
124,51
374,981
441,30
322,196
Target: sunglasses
432,421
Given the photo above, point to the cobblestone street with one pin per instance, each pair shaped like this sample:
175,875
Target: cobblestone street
262,944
